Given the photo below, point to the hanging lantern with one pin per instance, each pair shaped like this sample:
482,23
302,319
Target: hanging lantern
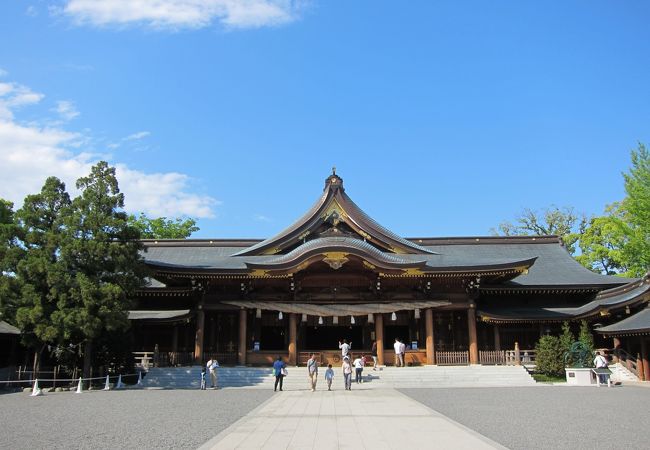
393,316
280,316
335,320
417,313
304,317
371,318
258,313
320,320
352,321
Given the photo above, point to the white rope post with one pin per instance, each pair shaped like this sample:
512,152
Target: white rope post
79,387
140,378
36,391
107,386
119,384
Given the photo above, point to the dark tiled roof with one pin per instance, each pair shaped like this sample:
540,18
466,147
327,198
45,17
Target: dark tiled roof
6,328
638,323
615,298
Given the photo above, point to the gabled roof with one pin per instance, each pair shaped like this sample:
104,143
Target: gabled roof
335,207
617,298
6,328
637,324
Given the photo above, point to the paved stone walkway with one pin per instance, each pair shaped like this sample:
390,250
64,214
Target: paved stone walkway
359,419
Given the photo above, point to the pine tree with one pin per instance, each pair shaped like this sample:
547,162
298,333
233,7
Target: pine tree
102,256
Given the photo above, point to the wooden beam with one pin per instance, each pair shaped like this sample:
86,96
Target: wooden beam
198,336
241,349
293,332
473,343
430,338
379,335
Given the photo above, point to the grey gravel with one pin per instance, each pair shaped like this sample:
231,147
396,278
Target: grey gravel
122,419
557,417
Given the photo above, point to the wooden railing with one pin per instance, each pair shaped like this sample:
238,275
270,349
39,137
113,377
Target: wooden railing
452,358
627,360
173,359
492,357
143,360
520,357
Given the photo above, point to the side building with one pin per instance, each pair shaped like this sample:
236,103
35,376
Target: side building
337,274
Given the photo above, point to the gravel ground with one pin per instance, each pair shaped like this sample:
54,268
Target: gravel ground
557,417
122,419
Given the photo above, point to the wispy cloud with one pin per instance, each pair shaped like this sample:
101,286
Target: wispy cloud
3,73
30,152
66,110
262,218
137,136
181,14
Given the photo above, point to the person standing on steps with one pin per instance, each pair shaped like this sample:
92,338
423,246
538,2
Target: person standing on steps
212,366
278,367
312,368
373,353
345,348
347,373
402,353
398,353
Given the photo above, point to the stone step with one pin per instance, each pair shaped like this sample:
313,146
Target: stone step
428,376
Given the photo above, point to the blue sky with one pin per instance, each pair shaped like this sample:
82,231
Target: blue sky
443,118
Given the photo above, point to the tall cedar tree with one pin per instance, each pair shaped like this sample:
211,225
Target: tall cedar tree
103,259
7,241
38,273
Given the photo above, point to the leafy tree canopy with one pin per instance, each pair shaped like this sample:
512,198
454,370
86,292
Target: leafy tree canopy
563,222
162,227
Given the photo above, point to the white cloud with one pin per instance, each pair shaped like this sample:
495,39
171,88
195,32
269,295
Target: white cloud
177,14
3,73
66,110
29,153
137,136
261,218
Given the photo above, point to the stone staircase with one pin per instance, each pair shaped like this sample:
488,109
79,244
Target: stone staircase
620,373
387,377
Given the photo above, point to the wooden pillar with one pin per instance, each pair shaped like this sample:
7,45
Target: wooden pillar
473,344
175,339
497,338
379,337
293,332
241,348
644,363
428,323
198,337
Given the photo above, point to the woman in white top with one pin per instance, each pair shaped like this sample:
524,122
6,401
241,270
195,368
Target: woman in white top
347,373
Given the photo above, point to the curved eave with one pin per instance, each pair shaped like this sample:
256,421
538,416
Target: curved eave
636,325
357,219
164,292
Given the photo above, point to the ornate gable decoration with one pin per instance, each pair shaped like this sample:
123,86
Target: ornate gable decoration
334,215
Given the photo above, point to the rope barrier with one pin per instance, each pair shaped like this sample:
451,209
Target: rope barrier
69,379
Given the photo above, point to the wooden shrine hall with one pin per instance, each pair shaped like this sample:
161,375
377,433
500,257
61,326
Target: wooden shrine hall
337,274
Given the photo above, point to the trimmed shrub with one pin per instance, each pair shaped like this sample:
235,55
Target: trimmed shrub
550,356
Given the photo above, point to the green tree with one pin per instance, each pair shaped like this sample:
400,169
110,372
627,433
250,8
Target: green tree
7,241
162,227
567,337
564,222
549,357
585,336
35,263
637,208
102,255
618,243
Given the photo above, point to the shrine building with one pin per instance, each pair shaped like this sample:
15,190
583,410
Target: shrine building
337,274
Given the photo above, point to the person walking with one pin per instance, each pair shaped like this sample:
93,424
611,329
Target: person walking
373,353
358,369
347,373
312,368
398,353
402,353
345,348
278,368
212,366
329,376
